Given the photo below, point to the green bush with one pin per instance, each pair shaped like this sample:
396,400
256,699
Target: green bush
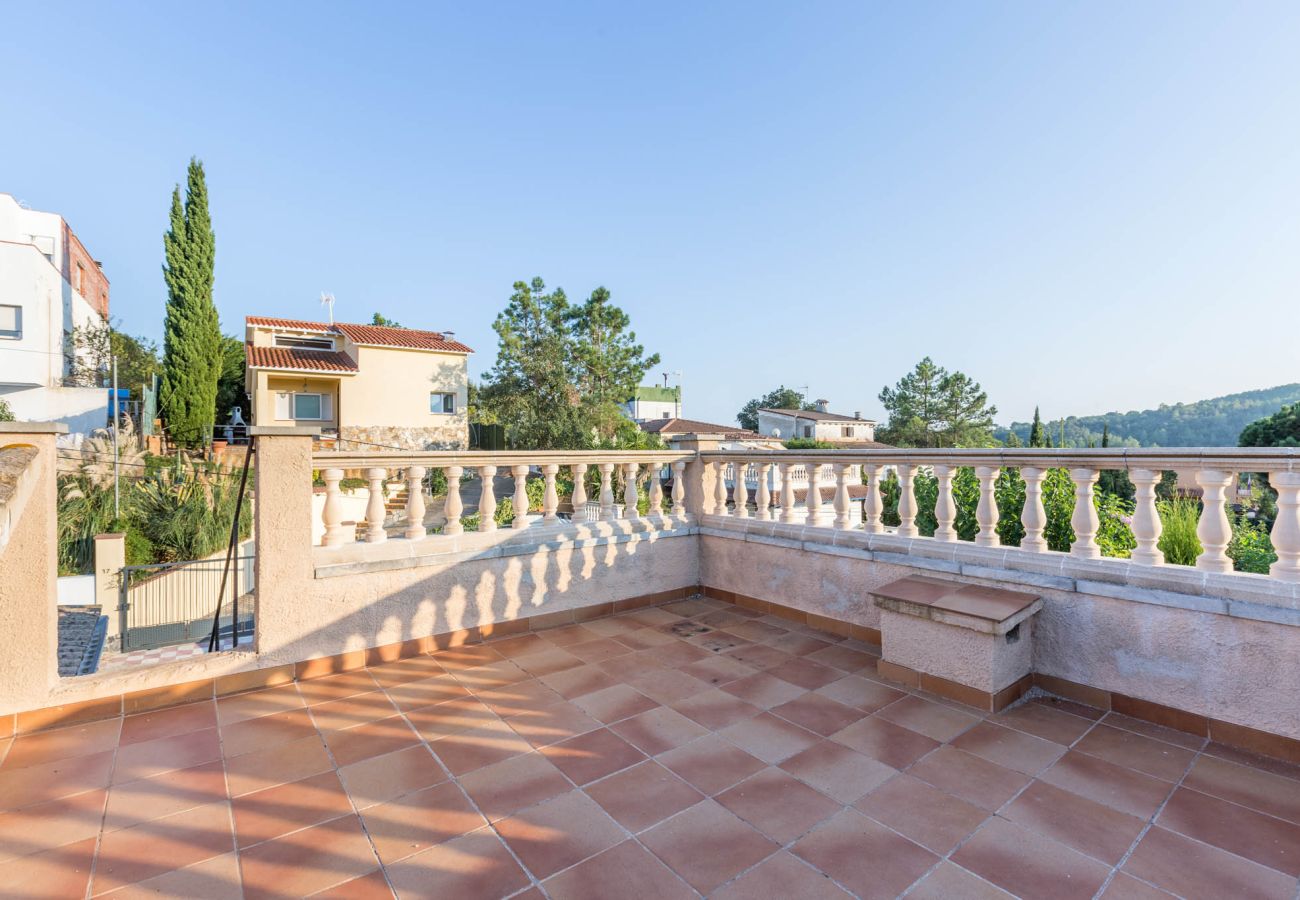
1251,549
1178,520
807,444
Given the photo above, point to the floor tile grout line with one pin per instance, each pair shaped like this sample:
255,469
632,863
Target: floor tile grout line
1150,823
336,769
947,857
99,837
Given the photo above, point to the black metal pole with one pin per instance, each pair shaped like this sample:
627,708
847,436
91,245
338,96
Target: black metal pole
225,569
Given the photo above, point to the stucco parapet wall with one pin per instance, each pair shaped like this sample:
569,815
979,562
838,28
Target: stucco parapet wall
362,558
1238,594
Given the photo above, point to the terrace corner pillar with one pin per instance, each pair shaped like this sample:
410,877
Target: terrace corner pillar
282,535
29,559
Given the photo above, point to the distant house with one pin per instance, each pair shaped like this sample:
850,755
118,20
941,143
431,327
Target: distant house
733,438
817,425
391,387
651,402
49,286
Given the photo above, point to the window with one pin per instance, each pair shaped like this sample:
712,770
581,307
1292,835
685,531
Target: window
307,406
665,416
11,322
846,431
442,403
304,343
807,431
80,283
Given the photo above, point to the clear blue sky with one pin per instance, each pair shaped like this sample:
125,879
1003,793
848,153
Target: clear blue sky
1087,206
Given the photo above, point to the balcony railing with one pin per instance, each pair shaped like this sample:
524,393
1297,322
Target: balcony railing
1213,471
635,468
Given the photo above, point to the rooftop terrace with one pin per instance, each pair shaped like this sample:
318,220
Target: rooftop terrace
776,698
692,749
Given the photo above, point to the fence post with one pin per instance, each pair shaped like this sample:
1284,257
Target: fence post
29,559
110,593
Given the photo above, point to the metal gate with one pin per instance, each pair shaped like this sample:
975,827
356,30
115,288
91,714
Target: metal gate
166,604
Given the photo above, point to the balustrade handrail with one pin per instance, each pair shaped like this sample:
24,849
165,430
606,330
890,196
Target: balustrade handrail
396,459
1213,471
1239,459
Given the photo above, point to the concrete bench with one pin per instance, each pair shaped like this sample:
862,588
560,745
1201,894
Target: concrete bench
969,643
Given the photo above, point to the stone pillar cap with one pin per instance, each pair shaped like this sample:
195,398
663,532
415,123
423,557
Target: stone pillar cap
969,605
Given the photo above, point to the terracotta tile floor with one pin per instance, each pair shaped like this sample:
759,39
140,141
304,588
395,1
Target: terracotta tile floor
692,749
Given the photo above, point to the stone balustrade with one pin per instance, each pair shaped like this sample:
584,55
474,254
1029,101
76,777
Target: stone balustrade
1208,473
635,470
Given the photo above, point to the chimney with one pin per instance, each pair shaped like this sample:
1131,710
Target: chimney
821,405
857,414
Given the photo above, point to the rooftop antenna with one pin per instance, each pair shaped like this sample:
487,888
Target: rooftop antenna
327,301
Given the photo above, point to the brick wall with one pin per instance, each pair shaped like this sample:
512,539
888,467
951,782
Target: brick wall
95,286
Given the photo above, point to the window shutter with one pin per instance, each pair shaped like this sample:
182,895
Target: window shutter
326,407
283,409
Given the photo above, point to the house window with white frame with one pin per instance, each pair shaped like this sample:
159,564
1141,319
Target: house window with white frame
304,406
442,402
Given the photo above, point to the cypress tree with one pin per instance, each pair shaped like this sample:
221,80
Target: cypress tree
192,352
1037,437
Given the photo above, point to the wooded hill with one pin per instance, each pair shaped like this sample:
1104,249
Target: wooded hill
1205,423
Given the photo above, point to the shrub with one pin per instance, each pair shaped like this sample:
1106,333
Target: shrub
1251,549
1178,521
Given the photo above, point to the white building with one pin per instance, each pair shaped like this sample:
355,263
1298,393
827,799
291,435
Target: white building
651,402
49,284
817,425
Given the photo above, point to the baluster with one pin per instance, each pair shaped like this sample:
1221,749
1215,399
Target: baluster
375,506
679,489
606,493
873,506
656,491
945,509
986,511
487,500
415,502
550,498
763,493
788,514
1286,527
720,489
1033,516
521,497
629,491
813,502
332,514
739,490
1146,518
579,499
906,501
1214,529
1084,521
843,505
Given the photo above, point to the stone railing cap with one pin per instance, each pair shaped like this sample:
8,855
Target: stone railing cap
33,428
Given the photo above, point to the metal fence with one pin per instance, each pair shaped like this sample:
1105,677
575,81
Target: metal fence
166,604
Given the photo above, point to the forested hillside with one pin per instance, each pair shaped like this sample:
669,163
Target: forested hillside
1217,422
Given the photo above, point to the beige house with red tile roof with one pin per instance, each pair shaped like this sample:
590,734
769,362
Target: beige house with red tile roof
369,385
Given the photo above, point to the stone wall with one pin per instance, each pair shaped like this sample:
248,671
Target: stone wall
434,437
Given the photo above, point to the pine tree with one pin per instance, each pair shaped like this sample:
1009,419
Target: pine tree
192,345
